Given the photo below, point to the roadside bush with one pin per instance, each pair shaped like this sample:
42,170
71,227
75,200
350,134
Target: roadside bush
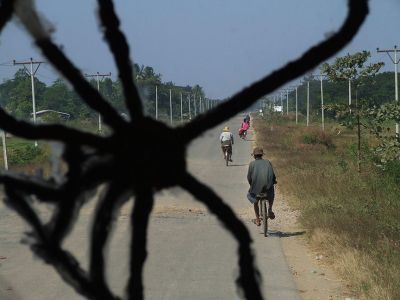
392,169
24,154
312,136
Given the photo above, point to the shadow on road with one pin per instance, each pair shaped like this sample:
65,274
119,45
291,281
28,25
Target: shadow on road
238,165
281,234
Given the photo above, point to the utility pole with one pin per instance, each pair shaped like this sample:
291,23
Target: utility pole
181,109
170,105
395,61
308,102
32,73
190,112
156,103
200,105
295,87
98,76
308,99
287,100
296,106
195,106
3,138
321,78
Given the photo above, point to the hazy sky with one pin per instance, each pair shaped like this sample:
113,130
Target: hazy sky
223,45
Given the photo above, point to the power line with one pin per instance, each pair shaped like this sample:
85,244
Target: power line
99,77
7,64
395,61
32,73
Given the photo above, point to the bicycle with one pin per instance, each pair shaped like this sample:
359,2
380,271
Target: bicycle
227,155
262,202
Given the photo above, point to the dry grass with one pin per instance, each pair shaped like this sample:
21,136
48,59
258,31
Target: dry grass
358,267
363,210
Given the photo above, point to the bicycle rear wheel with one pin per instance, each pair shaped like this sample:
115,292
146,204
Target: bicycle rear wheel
226,157
265,217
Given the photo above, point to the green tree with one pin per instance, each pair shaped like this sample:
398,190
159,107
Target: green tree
352,68
16,94
389,144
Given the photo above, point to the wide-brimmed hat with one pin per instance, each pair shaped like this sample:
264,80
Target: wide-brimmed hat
226,128
258,151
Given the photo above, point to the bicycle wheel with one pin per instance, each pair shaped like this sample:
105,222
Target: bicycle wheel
265,217
226,157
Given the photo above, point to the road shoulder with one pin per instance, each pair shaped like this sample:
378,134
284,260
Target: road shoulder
311,268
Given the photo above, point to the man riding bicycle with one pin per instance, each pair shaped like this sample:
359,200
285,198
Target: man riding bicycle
261,178
226,139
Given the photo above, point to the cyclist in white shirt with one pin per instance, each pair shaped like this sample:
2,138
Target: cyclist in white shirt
226,139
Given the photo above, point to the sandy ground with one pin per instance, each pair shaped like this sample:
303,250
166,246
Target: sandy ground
190,256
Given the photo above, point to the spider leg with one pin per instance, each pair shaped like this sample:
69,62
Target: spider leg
249,276
29,17
53,132
88,93
47,192
6,11
120,49
140,220
357,13
114,196
76,192
65,264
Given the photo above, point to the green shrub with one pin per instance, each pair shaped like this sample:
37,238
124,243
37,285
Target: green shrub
392,169
26,153
312,136
310,139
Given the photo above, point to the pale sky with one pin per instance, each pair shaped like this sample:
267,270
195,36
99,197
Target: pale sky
223,45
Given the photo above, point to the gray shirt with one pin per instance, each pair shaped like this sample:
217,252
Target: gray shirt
260,176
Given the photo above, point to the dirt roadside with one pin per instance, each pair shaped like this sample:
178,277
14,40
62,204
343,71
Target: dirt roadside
311,268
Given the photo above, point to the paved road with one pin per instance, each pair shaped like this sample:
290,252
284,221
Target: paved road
190,255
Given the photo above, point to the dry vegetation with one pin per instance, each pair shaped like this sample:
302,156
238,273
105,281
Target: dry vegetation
355,217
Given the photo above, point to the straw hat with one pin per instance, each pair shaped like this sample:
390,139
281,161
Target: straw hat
258,151
226,128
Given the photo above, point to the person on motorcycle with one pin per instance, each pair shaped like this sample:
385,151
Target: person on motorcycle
243,129
261,178
247,119
226,139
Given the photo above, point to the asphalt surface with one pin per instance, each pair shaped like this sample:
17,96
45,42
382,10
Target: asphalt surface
190,256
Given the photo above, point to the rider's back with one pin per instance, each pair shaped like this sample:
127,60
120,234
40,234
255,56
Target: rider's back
260,176
226,136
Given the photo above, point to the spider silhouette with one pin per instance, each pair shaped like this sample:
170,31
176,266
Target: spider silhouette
126,170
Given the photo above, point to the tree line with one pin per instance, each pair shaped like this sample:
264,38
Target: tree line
16,95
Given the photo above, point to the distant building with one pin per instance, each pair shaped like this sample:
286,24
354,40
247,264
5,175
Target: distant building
278,108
